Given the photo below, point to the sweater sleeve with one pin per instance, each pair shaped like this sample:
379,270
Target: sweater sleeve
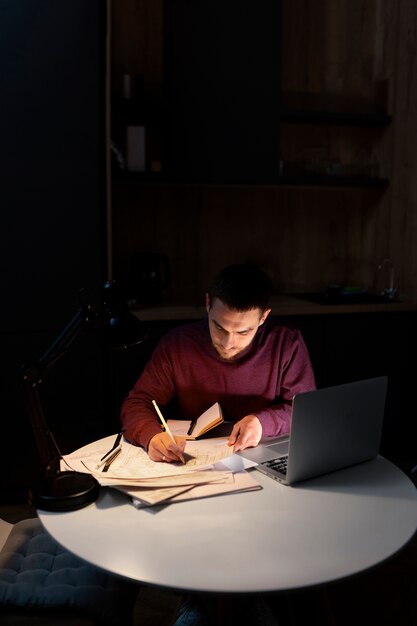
295,375
138,417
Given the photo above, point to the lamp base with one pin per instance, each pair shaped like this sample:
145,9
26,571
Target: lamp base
65,491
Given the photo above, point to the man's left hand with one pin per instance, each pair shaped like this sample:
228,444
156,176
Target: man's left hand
246,433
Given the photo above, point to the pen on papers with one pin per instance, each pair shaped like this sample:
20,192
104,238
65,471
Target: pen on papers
116,443
165,425
110,460
109,457
192,426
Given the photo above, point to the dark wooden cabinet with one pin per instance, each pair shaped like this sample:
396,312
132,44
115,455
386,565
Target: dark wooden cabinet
210,102
228,99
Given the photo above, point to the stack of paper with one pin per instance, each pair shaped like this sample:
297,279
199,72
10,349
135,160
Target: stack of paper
210,469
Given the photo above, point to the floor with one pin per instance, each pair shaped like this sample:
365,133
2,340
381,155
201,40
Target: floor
385,596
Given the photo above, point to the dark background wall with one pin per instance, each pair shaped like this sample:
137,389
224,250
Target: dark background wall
53,207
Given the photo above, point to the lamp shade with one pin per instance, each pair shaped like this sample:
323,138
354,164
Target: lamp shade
121,328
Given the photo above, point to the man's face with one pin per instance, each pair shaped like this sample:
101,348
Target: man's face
232,331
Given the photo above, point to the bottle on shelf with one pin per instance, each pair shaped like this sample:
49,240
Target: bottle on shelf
133,96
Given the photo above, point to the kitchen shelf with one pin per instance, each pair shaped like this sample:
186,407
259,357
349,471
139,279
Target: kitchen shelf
326,181
298,180
335,118
326,117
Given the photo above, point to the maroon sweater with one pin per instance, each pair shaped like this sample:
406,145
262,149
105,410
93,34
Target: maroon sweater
261,381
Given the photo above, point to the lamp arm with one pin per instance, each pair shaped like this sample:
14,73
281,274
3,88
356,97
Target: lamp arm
33,375
70,490
48,450
62,343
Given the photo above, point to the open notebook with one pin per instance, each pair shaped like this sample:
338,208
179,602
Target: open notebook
194,429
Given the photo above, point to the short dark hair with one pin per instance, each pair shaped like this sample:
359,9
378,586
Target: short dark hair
242,287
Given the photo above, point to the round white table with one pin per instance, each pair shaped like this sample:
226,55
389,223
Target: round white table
275,539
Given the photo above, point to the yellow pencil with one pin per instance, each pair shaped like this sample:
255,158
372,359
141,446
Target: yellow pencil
165,425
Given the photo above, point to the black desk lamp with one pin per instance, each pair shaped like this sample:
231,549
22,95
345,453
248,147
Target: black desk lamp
67,490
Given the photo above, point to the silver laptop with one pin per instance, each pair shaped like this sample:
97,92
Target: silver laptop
332,428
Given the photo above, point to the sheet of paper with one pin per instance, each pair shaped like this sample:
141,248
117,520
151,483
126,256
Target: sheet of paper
208,451
234,463
190,478
179,428
154,496
242,481
157,493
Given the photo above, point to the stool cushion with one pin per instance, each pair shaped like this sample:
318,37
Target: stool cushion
36,572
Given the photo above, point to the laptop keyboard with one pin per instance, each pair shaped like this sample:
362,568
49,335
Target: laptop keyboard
279,465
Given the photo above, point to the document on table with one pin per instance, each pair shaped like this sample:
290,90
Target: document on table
142,497
211,469
133,463
152,492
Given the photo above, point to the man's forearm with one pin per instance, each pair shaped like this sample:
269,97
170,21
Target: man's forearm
139,422
276,419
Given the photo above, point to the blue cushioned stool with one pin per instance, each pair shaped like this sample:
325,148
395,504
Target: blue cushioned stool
43,581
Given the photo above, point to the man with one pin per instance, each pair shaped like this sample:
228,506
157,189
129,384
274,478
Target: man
236,357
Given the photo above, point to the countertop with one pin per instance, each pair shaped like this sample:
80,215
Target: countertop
284,305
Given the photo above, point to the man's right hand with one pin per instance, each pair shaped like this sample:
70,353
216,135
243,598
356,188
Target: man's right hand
162,448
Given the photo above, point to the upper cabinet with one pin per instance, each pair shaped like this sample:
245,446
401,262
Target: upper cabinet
202,79
237,92
334,93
